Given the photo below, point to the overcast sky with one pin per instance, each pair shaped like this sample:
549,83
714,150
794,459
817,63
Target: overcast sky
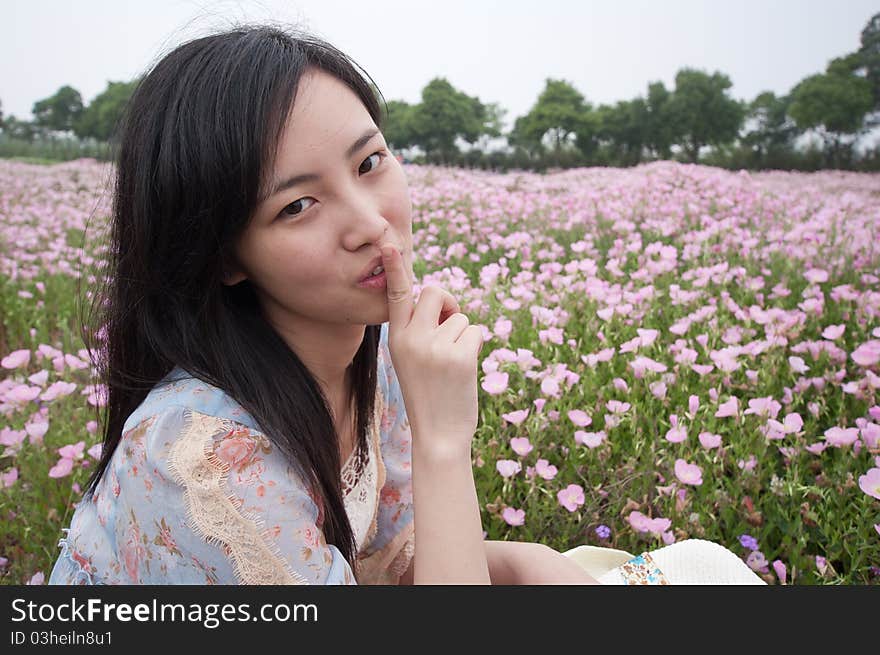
498,51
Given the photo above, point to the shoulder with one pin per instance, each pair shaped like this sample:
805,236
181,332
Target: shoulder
178,391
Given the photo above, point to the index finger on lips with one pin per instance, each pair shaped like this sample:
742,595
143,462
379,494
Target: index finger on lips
398,287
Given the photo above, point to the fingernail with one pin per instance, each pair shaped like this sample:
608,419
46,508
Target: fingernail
386,252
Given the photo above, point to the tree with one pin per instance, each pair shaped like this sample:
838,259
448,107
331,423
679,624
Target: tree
16,129
444,115
99,120
833,104
869,56
559,113
397,124
60,111
659,128
769,127
623,128
701,111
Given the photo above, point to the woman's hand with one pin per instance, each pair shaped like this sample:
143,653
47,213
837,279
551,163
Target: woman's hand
434,351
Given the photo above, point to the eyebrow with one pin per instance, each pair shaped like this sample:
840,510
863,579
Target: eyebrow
313,177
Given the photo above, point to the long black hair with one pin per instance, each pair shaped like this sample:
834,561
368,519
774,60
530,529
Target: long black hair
195,151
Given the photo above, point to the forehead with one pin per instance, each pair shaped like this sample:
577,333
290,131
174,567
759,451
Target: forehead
327,116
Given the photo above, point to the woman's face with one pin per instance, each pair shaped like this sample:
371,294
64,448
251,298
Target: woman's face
308,243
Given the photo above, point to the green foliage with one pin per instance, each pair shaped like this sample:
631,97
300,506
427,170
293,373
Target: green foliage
397,122
560,112
836,103
624,130
100,118
60,111
869,56
701,112
444,115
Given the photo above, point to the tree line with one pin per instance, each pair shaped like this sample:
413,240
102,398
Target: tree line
697,121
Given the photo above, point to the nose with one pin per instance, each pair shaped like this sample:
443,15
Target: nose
365,222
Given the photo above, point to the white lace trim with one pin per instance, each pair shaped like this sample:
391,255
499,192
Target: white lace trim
361,492
212,512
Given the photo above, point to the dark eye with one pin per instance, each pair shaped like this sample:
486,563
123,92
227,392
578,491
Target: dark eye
288,211
379,154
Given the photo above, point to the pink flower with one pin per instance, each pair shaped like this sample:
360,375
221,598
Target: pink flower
641,364
521,446
793,423
9,477
688,473
545,469
72,451
571,497
841,436
22,393
620,384
36,430
677,434
580,418
870,434
39,378
62,468
641,523
550,387
647,337
590,439
95,451
870,482
37,579
617,407
693,405
516,417
495,383
16,359
833,332
709,440
748,465
867,354
57,390
798,365
763,407
508,467
730,408
513,516
757,561
703,369
780,569
816,448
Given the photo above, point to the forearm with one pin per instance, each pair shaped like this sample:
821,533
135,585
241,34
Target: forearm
449,534
529,563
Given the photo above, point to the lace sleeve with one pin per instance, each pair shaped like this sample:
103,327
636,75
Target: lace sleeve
223,507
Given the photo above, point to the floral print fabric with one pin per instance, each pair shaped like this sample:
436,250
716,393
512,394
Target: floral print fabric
195,493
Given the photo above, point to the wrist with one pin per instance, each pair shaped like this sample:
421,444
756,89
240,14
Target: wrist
436,449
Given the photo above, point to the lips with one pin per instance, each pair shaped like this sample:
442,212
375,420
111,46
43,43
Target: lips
368,271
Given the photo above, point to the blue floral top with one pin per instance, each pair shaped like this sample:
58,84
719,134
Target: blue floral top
195,493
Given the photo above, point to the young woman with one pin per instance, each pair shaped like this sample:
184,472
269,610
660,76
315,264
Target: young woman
280,410
272,417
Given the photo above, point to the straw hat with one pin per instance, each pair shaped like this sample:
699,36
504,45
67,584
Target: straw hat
689,562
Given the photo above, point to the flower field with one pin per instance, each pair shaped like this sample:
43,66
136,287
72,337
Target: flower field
671,351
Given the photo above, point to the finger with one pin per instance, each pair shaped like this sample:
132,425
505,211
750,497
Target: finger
451,329
434,307
472,338
398,288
